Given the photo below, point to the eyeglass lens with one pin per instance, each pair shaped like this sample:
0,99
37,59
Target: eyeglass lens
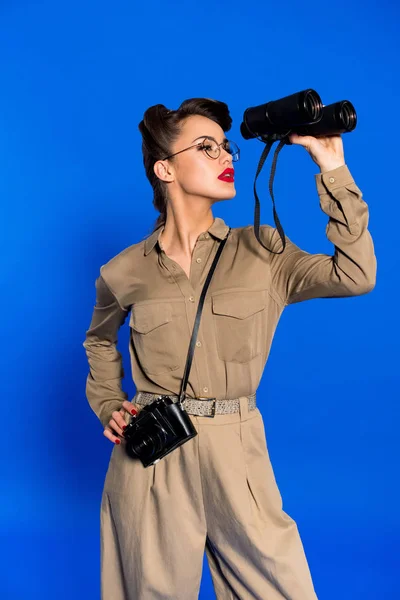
213,150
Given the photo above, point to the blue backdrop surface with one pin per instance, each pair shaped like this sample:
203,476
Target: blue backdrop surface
77,78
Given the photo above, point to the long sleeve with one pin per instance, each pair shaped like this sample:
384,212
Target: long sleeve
298,275
103,385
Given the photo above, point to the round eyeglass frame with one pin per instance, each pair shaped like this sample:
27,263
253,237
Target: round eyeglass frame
212,157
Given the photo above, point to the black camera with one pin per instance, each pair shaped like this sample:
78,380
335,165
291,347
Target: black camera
157,429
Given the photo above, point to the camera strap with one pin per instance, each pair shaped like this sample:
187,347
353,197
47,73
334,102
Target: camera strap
268,140
197,320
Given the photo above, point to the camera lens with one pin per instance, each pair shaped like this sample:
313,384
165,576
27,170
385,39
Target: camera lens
146,444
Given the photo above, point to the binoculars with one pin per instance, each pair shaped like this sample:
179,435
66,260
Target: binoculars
302,113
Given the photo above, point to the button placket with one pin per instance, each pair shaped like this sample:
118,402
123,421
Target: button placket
200,369
188,292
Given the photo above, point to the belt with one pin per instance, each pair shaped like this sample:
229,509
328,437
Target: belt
207,407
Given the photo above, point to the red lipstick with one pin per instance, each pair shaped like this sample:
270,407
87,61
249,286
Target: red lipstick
227,175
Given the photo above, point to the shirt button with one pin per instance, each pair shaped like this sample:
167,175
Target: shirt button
198,260
191,298
205,389
207,235
198,344
331,179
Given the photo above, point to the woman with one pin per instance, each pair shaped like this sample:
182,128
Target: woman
216,492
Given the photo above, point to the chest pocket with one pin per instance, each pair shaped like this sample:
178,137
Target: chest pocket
154,337
239,320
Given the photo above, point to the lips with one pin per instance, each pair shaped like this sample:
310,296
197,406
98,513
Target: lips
227,175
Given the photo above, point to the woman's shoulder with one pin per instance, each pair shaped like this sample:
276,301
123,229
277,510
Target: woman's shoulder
119,267
246,228
247,231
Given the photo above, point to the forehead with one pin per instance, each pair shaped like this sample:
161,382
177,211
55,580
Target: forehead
197,125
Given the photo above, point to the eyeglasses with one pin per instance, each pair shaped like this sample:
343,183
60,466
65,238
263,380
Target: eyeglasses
213,149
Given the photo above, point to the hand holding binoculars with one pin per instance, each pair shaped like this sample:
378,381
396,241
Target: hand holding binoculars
302,113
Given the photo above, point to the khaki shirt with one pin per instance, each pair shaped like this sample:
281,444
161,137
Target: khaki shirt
247,294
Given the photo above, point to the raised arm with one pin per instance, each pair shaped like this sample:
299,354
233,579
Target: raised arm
103,385
351,271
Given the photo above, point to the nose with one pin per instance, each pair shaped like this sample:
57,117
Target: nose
225,157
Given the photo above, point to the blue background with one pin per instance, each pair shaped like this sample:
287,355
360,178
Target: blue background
76,80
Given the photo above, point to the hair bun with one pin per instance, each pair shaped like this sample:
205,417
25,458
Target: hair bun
154,116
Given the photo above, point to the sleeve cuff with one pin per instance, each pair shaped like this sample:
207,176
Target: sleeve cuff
331,180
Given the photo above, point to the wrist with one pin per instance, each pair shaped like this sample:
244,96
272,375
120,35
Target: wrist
330,167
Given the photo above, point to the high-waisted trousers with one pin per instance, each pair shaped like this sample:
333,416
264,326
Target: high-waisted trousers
216,493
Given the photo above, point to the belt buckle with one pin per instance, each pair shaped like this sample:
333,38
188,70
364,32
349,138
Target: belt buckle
213,408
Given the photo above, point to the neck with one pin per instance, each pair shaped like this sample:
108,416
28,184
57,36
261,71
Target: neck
182,230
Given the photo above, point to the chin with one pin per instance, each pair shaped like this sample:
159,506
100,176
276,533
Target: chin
229,194
215,200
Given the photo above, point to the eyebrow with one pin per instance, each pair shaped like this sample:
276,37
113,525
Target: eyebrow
209,136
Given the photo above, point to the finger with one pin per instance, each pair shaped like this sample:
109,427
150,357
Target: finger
117,427
131,407
301,140
121,418
124,418
110,435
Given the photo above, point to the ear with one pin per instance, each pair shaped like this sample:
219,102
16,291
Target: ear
163,170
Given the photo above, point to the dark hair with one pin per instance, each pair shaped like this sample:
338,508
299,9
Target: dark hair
160,127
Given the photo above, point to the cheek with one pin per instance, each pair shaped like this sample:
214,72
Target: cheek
200,178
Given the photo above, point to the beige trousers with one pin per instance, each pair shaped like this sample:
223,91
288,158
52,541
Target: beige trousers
216,493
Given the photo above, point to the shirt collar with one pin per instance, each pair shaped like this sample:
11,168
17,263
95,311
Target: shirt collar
218,230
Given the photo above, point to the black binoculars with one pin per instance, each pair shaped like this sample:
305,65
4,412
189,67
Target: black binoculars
302,113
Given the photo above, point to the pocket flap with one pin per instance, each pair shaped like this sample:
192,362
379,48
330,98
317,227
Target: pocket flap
239,305
146,317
